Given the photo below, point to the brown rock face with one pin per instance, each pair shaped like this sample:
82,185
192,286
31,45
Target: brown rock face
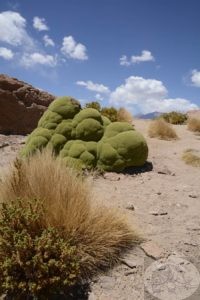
21,105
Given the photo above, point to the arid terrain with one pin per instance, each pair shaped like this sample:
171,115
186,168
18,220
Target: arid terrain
162,200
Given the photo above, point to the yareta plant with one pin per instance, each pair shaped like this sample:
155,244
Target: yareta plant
86,137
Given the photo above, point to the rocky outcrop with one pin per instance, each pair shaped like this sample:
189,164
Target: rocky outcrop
21,105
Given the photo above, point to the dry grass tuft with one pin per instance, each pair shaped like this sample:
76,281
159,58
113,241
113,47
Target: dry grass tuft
162,130
66,204
194,124
192,157
124,115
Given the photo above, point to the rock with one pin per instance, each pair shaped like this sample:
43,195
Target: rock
5,144
158,213
129,263
193,196
152,250
21,105
130,207
165,171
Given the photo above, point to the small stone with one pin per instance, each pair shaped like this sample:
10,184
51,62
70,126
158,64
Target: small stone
130,207
191,244
193,196
152,250
5,144
159,193
130,272
113,176
157,213
129,263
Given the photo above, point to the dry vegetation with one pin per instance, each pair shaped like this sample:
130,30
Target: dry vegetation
194,124
124,115
63,203
174,117
161,129
192,157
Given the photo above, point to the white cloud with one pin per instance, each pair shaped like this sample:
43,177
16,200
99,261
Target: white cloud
13,29
48,41
142,95
195,78
96,87
6,53
99,97
72,49
124,61
144,57
39,24
30,60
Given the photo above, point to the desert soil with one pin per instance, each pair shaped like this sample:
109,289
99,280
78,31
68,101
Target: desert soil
162,201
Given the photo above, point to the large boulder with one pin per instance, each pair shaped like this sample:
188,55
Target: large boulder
21,105
85,137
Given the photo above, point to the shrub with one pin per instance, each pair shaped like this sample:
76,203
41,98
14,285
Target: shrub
174,117
95,104
124,115
110,113
161,129
62,234
191,157
34,261
77,138
194,124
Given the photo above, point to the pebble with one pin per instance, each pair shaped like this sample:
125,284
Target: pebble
130,207
157,213
152,250
129,263
193,196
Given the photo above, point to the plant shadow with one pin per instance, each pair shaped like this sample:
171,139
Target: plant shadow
147,167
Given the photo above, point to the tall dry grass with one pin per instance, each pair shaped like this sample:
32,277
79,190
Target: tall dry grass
194,124
191,157
161,129
100,234
123,115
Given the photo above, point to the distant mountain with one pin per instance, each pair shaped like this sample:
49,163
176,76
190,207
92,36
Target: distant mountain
151,115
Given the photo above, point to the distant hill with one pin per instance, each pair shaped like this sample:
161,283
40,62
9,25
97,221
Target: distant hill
151,115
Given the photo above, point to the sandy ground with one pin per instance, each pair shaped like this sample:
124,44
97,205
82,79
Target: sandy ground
163,203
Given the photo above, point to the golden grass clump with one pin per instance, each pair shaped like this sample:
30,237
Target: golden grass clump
124,115
192,157
159,128
42,196
194,124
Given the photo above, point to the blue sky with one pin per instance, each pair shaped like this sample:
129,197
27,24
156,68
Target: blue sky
140,54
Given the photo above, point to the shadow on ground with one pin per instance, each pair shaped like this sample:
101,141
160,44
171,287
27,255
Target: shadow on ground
80,292
147,167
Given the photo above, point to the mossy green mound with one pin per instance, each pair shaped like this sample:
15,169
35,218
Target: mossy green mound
87,138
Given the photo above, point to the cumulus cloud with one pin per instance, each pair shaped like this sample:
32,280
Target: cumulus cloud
13,29
6,53
40,24
72,49
48,41
142,95
195,78
30,60
144,57
96,87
